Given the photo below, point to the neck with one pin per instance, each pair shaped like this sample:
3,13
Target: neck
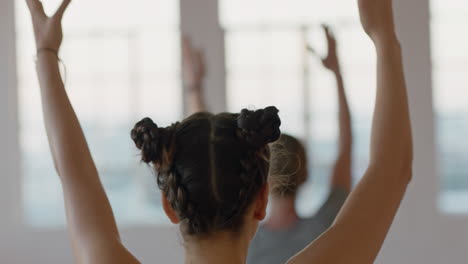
283,213
223,248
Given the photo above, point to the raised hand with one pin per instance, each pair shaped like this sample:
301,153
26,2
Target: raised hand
193,68
377,18
47,30
193,73
331,60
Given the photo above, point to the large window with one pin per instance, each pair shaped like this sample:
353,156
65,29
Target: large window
267,64
122,63
450,73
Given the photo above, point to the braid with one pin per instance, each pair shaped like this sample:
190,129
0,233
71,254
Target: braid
157,145
258,128
210,167
253,176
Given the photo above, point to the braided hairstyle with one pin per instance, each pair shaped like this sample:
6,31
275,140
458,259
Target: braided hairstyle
210,167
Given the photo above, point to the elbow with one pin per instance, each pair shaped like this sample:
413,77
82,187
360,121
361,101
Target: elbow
397,165
406,171
406,167
402,169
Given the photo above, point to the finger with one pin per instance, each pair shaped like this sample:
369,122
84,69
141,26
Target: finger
331,31
326,28
311,50
201,61
61,10
325,62
36,8
186,47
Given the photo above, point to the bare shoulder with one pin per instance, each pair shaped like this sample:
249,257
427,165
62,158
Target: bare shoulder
115,258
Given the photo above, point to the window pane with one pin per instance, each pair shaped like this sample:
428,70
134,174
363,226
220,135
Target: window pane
116,69
267,65
450,67
269,12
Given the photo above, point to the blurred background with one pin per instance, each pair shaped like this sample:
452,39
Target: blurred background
122,63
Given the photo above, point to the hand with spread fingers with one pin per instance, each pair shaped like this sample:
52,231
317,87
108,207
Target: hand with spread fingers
331,61
47,30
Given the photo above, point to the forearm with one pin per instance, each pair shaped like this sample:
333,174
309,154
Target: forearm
342,170
391,142
361,226
344,118
66,139
195,100
88,210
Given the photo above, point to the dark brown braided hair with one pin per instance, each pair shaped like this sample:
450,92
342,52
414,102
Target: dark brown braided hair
210,167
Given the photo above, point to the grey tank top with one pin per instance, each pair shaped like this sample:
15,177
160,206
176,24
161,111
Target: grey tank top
277,247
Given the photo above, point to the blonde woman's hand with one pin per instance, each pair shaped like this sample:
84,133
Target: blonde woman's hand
331,61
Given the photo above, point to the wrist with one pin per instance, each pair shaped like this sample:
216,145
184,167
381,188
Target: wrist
338,76
386,39
392,46
47,52
336,71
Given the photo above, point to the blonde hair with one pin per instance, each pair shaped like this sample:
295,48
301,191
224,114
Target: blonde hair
288,166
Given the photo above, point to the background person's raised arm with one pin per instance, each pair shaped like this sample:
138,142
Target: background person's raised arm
91,223
193,74
341,176
362,225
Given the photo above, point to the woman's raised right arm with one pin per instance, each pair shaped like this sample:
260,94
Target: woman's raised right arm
362,225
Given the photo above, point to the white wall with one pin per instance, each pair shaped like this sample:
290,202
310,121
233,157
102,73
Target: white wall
420,234
416,234
8,118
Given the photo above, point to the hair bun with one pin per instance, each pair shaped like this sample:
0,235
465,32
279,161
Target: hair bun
145,134
260,127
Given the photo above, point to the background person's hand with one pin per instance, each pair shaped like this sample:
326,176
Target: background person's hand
193,68
331,60
377,18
